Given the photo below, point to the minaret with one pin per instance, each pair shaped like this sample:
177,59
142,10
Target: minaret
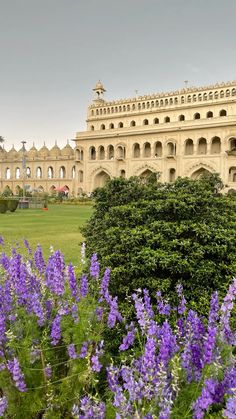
99,90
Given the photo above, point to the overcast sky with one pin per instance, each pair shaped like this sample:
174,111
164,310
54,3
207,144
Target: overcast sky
52,53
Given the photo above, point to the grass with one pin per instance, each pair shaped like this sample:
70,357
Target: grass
58,227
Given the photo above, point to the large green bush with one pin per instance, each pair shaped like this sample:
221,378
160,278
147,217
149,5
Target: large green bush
8,204
3,206
155,235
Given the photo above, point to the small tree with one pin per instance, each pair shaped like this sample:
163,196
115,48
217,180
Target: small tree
156,235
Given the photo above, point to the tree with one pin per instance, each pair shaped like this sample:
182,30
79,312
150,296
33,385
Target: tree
155,236
1,139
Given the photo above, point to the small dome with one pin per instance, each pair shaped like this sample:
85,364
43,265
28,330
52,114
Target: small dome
67,150
2,153
99,86
33,151
55,151
13,152
44,151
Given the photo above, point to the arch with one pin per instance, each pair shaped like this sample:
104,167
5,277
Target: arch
233,92
62,172
101,152
132,123
189,147
136,150
111,126
120,125
143,105
28,172
171,149
167,119
8,173
189,98
100,179
158,149
223,112
227,93
200,97
172,174
222,93
232,174
122,173
39,172
92,153
18,189
120,152
145,173
92,112
52,188
17,173
79,154
145,122
133,107
182,99
204,96
181,118
210,95
209,114
197,115
197,174
92,128
156,121
202,146
215,145
81,176
40,188
108,110
147,150
232,144
73,172
110,152
216,94
50,172
194,98
102,127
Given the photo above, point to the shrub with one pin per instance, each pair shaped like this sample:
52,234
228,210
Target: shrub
3,206
12,204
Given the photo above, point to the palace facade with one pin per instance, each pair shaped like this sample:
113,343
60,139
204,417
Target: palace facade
182,133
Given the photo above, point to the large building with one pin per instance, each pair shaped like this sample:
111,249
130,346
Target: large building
182,133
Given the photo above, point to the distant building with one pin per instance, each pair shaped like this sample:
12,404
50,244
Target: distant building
183,133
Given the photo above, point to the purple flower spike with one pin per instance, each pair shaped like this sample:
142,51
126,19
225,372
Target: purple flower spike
230,410
72,351
83,286
15,370
3,405
84,350
56,330
73,282
94,266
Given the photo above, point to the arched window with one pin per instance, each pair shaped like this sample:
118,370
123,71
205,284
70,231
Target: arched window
176,100
157,103
111,126
223,112
194,98
62,172
189,147
120,152
133,107
116,109
152,104
158,149
200,97
232,174
227,93
202,146
204,96
73,171
196,116
28,172
232,144
101,153
39,172
132,123
181,118
120,125
17,173
156,121
110,152
145,122
233,92
171,149
50,172
167,119
79,154
8,173
182,99
166,102
171,175
209,114
143,105
92,112
189,98
92,153
216,94
147,150
124,108
222,93
215,145
108,110
148,105
81,176
128,107
139,106
92,128
161,102
97,113
136,150
122,173
211,95
102,126
112,109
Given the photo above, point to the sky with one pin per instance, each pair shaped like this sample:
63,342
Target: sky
52,53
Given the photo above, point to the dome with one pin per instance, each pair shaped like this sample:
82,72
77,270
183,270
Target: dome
55,151
67,150
44,151
33,151
2,153
13,153
99,86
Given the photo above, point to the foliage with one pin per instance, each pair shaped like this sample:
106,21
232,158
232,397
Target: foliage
9,204
53,363
155,235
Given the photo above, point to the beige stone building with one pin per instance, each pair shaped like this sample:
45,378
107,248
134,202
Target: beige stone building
181,133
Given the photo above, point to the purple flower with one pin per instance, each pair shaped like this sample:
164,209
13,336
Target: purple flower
72,351
1,241
73,282
206,399
56,330
17,375
94,266
39,260
95,363
26,243
3,405
99,313
83,286
89,408
128,340
54,273
74,313
230,409
226,333
37,308
167,346
84,350
48,371
104,286
162,307
114,315
182,305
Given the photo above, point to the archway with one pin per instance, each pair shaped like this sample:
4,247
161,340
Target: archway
100,179
199,173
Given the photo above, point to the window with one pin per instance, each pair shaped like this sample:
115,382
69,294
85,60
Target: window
111,126
62,172
73,171
120,125
171,149
81,176
158,149
196,116
232,174
101,152
209,114
156,121
39,172
17,173
110,152
92,153
181,118
102,126
167,119
145,122
147,150
223,112
136,150
132,123
215,145
232,144
202,146
122,173
189,147
120,152
92,128
50,172
171,175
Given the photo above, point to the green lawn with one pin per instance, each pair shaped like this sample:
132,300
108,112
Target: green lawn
59,227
